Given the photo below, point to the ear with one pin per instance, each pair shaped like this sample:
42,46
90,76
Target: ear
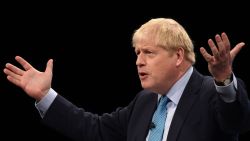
180,56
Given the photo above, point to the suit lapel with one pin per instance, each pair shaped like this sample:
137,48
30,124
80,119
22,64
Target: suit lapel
147,105
186,102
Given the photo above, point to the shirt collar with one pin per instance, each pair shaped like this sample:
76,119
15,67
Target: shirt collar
175,92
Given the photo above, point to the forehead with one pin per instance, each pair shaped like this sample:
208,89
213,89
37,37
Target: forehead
146,47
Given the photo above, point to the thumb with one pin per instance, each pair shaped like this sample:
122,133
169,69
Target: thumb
49,67
236,49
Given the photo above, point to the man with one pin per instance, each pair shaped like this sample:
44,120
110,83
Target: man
198,108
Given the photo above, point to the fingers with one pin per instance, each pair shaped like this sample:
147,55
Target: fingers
49,67
11,74
222,50
213,48
205,54
14,69
236,49
23,62
226,42
220,44
14,81
223,45
12,77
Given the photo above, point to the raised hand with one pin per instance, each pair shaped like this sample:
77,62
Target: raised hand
220,62
35,83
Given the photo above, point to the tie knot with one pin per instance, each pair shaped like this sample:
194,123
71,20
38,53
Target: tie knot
163,100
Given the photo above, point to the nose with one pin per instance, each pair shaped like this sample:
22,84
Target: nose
140,61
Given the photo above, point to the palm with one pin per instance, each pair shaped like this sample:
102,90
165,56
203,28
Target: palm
219,66
34,82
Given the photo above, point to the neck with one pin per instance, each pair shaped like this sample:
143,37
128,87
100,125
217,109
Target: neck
181,71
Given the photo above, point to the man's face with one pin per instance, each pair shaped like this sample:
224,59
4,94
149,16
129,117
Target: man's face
156,67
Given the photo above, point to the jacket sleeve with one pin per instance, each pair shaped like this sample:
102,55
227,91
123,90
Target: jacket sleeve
231,116
78,124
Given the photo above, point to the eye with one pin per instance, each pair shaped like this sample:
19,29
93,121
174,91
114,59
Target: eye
148,52
137,52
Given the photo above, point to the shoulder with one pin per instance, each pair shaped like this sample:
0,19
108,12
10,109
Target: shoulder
201,78
145,96
199,81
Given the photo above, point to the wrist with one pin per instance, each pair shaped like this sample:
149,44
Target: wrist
224,82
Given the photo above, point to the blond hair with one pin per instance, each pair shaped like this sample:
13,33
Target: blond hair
165,33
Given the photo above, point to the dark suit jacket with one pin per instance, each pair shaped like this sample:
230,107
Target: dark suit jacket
201,115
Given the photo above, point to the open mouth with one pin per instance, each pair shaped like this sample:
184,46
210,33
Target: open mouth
143,75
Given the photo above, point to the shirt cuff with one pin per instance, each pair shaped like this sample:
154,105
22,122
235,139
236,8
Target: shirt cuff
228,93
44,104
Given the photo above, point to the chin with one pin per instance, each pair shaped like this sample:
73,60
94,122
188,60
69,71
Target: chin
147,86
144,86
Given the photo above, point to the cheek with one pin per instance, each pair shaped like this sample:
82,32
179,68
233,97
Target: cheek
166,69
167,66
161,70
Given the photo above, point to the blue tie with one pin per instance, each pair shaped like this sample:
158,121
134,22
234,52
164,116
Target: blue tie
158,120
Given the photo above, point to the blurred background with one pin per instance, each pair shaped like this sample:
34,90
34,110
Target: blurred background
92,52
